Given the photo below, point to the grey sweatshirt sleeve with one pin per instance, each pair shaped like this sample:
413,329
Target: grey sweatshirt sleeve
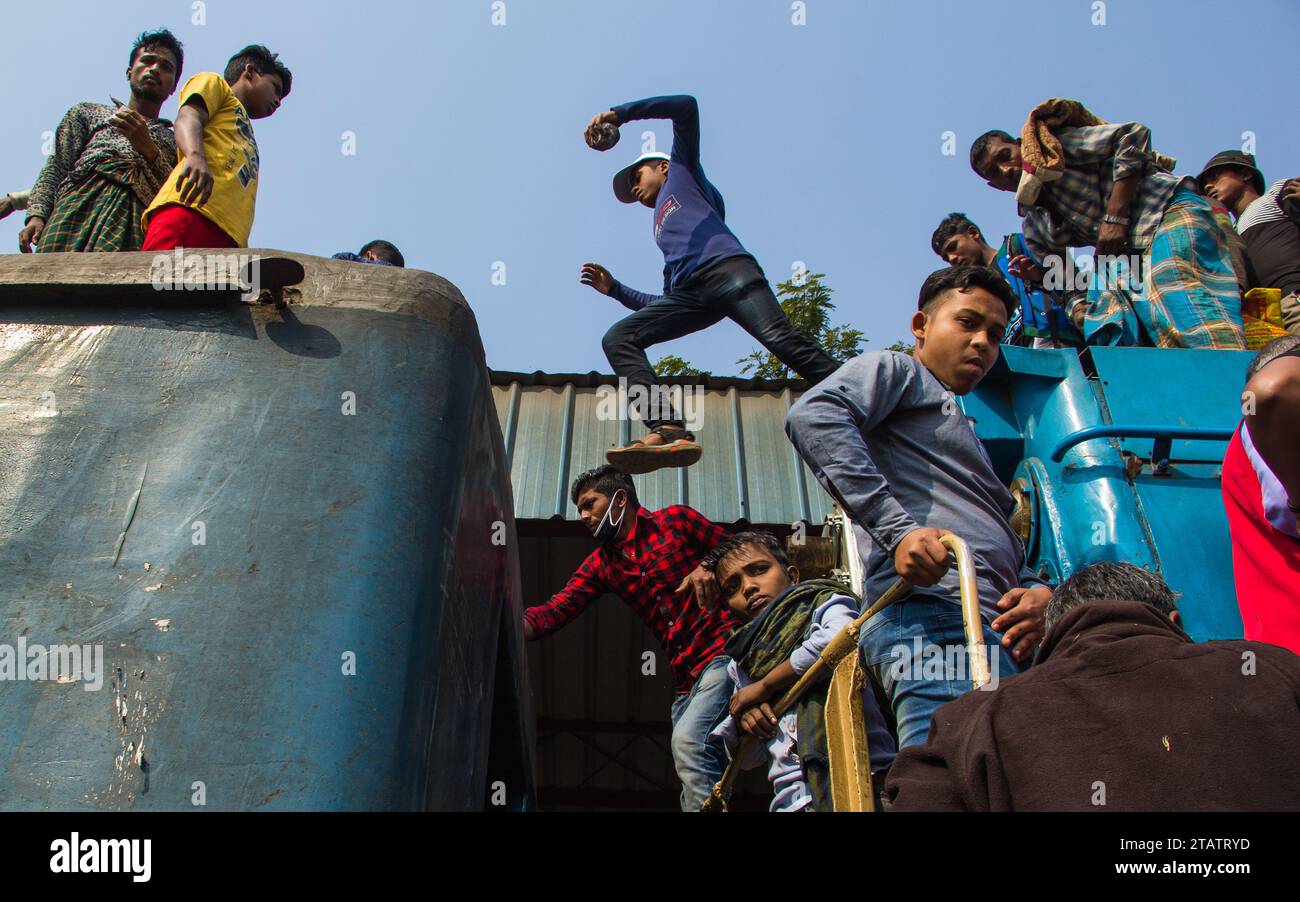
828,426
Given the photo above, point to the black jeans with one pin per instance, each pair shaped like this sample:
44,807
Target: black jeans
734,288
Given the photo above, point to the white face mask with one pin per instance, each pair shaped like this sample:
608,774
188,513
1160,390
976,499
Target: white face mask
608,527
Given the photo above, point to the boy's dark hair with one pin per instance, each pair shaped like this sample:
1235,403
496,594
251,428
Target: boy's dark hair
961,278
980,149
755,537
263,61
953,224
161,39
1111,581
385,251
1270,352
607,480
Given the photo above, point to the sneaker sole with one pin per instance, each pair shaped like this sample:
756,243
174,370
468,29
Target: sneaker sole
638,459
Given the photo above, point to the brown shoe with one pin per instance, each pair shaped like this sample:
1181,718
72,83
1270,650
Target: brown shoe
677,448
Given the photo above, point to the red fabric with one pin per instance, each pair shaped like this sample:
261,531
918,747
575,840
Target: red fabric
645,571
1265,561
176,226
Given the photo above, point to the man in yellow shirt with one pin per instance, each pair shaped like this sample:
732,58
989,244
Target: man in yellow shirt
209,198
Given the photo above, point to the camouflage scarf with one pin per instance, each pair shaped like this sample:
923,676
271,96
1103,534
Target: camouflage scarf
771,638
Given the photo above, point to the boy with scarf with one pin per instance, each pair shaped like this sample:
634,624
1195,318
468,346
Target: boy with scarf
789,624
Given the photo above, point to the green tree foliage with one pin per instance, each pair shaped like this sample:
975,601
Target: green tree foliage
909,350
672,365
807,302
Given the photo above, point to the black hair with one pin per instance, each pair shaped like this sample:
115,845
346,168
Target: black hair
754,537
962,278
263,61
606,480
953,224
1253,177
1270,352
1111,581
384,250
980,149
163,39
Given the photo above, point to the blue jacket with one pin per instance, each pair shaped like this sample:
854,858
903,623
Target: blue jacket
689,220
357,258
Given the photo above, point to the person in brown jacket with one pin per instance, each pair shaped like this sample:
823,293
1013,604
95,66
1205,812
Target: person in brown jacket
1121,711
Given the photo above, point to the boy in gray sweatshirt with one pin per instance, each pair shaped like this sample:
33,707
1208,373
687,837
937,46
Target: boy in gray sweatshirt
887,438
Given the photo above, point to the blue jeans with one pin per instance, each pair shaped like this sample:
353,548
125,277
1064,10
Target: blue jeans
915,650
700,759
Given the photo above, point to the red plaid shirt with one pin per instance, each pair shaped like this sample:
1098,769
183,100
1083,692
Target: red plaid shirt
644,570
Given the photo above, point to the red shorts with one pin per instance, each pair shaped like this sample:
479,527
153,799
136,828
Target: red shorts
177,225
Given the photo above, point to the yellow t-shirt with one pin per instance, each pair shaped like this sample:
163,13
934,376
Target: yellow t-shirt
231,152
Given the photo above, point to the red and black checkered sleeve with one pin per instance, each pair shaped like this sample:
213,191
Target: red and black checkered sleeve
585,585
704,533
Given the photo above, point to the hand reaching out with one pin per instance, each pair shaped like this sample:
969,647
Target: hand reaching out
598,277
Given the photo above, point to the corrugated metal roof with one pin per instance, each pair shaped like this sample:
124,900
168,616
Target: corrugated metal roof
749,470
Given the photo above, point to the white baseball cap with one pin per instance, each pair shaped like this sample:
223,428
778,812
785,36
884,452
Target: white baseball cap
623,178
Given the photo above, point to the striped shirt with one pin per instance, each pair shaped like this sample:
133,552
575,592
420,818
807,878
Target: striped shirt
1262,209
1069,211
1272,241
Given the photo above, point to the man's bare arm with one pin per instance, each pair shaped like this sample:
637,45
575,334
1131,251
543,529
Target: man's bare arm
1111,237
195,179
1272,405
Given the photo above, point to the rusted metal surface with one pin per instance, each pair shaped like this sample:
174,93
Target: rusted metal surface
288,530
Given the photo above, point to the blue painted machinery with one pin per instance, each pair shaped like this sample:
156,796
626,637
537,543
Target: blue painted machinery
1115,455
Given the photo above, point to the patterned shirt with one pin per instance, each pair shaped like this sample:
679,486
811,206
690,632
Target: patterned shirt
85,139
1068,211
644,570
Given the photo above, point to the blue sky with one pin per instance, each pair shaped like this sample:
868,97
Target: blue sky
825,139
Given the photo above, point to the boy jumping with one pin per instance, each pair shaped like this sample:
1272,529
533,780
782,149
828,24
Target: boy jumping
209,198
708,275
887,438
788,625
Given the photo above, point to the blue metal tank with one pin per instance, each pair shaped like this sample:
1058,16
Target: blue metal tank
288,527
1116,455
